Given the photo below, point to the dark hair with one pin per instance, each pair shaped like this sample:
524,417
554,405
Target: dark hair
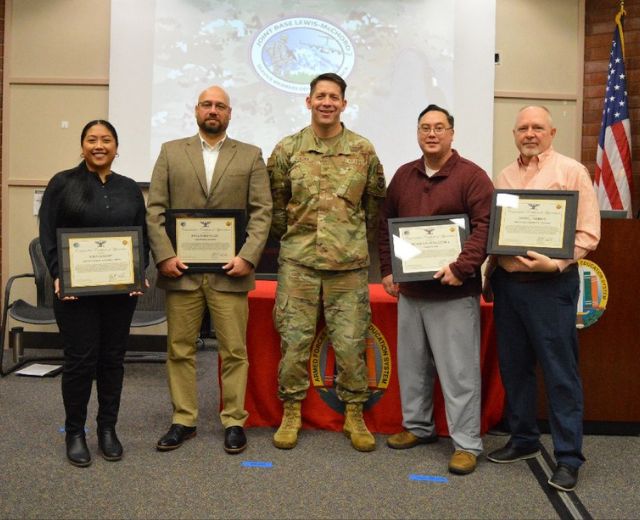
95,122
329,76
436,108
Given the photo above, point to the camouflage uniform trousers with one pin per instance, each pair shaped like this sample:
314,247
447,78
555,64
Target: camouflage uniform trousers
302,294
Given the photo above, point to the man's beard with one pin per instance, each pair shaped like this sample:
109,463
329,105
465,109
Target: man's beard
530,152
208,127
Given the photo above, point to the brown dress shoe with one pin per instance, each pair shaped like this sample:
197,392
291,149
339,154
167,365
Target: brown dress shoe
462,462
405,439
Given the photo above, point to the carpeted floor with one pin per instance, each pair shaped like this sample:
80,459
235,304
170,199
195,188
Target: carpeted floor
322,478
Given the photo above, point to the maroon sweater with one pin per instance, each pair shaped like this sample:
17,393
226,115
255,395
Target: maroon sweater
459,187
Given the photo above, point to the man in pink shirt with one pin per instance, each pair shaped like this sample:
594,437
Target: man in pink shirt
535,305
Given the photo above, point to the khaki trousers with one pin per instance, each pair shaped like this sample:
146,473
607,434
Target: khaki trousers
229,312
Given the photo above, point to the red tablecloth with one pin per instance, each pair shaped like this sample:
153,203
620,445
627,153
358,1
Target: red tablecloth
319,409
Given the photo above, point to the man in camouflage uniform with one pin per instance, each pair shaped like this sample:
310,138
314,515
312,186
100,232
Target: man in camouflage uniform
327,184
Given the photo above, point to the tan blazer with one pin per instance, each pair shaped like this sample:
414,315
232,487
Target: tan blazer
240,181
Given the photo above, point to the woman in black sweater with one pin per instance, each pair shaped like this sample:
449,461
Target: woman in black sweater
94,329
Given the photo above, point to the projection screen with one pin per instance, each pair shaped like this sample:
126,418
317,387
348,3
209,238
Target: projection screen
396,57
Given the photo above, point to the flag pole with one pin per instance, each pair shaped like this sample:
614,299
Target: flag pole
613,177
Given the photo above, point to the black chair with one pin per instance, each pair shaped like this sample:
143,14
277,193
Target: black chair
149,311
39,314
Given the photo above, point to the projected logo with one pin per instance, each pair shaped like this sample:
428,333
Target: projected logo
288,54
323,369
594,293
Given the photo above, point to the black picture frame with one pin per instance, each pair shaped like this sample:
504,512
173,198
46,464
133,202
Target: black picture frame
398,224
172,216
503,198
65,241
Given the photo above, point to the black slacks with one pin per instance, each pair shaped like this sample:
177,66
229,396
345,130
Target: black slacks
94,330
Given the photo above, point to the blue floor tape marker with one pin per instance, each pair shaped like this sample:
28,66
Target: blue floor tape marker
429,478
256,464
62,430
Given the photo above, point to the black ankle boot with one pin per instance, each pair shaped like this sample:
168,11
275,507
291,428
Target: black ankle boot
77,450
109,444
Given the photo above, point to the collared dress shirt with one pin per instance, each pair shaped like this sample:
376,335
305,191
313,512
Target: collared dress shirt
553,171
210,156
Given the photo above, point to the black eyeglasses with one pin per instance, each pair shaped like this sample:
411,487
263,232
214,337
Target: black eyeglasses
208,105
438,130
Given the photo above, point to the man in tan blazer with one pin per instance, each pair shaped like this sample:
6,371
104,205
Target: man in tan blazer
213,171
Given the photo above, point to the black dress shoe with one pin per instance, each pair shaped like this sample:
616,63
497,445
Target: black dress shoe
109,444
511,454
235,440
564,478
77,450
177,434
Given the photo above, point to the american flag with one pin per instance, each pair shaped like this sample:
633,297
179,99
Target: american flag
613,180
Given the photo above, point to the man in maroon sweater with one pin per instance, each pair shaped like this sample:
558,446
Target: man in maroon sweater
439,319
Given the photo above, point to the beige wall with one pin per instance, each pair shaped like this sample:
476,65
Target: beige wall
35,116
541,46
59,39
57,67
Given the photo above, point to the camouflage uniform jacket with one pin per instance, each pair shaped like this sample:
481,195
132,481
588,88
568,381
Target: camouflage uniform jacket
326,201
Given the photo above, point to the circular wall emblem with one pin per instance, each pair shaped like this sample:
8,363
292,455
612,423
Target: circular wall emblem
323,369
594,293
289,53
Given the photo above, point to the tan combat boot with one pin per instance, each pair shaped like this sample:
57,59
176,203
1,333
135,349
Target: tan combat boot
287,435
356,429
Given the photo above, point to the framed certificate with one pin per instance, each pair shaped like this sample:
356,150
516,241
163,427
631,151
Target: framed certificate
533,220
421,246
106,260
206,239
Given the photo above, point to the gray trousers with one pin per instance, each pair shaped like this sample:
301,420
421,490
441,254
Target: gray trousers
441,336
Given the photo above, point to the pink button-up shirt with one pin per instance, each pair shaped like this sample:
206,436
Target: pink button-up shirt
553,171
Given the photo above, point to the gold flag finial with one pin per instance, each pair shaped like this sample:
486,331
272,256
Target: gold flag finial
621,14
